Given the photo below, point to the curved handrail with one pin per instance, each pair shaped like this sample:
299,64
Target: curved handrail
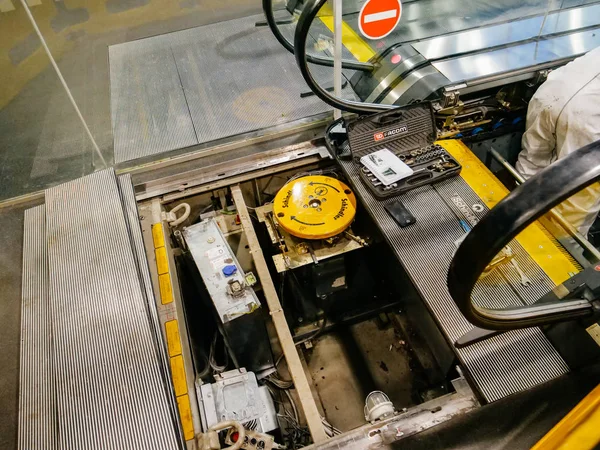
309,12
320,60
506,220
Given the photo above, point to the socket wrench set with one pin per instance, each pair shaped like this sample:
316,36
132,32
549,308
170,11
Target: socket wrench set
395,150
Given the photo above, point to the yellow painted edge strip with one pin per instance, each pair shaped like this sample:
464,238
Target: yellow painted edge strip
162,263
351,40
172,334
533,239
166,290
580,429
178,373
173,338
158,235
185,412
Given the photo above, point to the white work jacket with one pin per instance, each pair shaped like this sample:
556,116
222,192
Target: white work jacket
563,116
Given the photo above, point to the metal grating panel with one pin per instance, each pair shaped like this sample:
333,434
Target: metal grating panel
500,366
236,78
540,282
110,391
37,398
137,242
149,110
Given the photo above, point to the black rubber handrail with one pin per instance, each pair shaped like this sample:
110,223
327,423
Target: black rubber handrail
320,60
504,222
309,12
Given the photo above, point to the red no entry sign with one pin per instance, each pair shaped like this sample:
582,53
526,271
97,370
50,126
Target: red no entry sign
378,18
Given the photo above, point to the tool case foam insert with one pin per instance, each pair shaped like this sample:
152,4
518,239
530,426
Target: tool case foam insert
409,133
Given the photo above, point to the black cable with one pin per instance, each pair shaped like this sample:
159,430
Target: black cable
316,334
319,60
309,12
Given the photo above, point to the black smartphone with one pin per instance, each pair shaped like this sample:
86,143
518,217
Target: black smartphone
400,214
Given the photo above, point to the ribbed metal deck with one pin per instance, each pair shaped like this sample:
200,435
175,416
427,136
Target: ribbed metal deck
206,83
37,396
137,242
500,366
94,372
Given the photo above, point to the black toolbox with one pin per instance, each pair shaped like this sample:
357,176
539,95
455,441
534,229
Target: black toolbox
409,133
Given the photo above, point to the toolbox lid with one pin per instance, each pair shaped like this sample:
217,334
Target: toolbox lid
399,130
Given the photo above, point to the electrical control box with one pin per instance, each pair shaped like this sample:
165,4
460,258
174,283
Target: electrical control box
236,395
228,286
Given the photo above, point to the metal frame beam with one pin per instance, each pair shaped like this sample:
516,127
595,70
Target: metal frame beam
307,402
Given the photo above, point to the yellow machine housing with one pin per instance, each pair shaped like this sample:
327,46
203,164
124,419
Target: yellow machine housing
315,207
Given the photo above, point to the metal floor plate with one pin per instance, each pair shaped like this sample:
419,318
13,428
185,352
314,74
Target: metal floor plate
500,366
203,84
37,396
149,109
109,387
137,241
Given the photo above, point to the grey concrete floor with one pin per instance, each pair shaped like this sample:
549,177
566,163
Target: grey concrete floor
348,364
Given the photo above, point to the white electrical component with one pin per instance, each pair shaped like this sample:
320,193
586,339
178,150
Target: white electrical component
235,395
378,406
225,280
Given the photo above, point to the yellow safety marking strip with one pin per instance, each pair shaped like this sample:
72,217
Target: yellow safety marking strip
185,412
173,339
162,263
351,40
546,225
179,378
166,290
158,235
577,430
172,334
178,373
533,239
